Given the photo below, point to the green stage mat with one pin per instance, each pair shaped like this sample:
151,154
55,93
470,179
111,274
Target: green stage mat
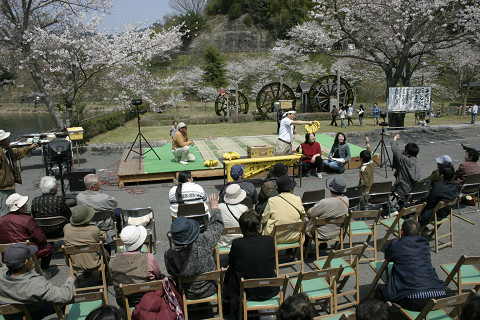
167,163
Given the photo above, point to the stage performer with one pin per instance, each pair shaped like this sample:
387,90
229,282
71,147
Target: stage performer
9,172
312,156
180,145
286,132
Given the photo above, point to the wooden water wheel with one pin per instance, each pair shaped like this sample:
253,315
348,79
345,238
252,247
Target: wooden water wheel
325,88
272,93
229,100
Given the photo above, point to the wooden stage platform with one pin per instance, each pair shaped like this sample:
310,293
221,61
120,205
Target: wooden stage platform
152,169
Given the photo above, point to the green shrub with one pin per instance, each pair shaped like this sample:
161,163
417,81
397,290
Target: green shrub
235,11
105,123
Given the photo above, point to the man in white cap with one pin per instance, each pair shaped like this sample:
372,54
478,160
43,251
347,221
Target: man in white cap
180,145
286,131
9,172
434,176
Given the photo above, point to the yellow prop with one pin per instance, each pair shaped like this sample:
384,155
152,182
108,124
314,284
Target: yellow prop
231,155
312,128
211,163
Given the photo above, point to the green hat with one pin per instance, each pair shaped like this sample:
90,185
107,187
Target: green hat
81,215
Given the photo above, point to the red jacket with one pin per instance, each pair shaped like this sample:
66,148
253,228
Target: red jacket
20,227
309,150
466,169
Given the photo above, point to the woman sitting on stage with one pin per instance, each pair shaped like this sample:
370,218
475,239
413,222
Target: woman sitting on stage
339,154
312,155
186,192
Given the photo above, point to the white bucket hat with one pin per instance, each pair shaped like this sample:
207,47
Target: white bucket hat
234,194
16,201
4,135
133,237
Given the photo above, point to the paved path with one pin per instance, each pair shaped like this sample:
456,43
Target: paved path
432,144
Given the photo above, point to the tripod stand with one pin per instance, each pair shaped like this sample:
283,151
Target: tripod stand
139,138
384,156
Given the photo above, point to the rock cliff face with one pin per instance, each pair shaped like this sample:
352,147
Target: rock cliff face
231,36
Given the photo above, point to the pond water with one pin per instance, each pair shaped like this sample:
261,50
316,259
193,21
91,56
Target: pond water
25,123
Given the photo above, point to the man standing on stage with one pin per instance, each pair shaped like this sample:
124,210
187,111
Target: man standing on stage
286,131
9,172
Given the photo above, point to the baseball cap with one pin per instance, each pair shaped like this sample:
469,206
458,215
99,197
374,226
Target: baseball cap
17,253
443,159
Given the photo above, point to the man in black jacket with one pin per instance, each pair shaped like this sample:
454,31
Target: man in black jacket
444,190
413,280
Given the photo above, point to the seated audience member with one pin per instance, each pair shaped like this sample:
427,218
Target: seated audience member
192,251
49,205
231,211
21,284
339,154
435,176
413,280
296,307
334,207
93,198
237,175
19,226
469,167
444,190
312,156
187,192
132,265
269,186
105,312
284,208
79,232
471,308
373,309
407,170
367,169
250,257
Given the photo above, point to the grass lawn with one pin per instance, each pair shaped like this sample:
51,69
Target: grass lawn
128,132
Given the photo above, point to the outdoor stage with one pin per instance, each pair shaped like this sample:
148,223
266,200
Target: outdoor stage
149,168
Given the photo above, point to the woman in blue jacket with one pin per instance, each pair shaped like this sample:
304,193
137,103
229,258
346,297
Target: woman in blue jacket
339,154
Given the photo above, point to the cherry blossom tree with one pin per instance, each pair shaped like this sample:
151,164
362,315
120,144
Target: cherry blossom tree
396,35
66,55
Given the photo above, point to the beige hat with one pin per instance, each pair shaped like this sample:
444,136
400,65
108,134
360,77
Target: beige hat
4,135
234,194
133,237
181,125
16,201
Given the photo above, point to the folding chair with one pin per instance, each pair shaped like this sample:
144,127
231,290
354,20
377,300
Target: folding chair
436,223
147,244
6,309
84,303
319,285
419,191
394,224
273,303
194,211
4,247
130,289
141,212
280,229
463,273
434,308
355,196
216,276
336,259
310,198
379,194
48,222
103,268
341,222
470,187
223,250
382,269
358,227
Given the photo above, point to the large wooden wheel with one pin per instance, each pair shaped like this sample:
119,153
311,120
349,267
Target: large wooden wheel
325,88
230,101
272,93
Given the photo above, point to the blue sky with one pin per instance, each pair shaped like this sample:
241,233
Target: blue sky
135,11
